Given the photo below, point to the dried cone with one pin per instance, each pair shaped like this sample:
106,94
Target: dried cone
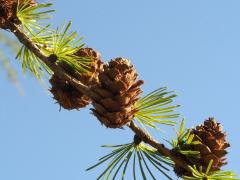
8,11
67,95
117,92
213,147
91,77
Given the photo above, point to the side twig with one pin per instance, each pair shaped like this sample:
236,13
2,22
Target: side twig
178,159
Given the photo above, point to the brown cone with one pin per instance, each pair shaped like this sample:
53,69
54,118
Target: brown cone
118,91
8,11
67,95
91,77
213,147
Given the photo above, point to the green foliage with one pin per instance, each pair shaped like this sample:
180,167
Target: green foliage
146,157
33,22
32,62
155,108
32,16
29,60
198,174
64,45
184,138
60,42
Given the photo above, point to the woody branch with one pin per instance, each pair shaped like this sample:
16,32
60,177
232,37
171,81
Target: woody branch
48,60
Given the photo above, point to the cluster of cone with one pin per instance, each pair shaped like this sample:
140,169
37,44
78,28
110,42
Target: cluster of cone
8,11
212,146
115,85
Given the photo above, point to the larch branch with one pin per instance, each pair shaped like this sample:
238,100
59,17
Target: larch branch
26,41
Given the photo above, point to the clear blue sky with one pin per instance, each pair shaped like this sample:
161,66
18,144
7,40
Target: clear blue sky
192,47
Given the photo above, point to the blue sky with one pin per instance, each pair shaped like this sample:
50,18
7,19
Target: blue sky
192,47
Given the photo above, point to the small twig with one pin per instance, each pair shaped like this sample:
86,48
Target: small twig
149,140
23,38
160,147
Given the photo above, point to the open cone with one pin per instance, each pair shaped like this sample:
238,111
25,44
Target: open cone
117,92
67,95
212,146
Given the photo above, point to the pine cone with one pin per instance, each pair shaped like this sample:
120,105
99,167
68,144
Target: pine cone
67,95
118,91
212,147
8,11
